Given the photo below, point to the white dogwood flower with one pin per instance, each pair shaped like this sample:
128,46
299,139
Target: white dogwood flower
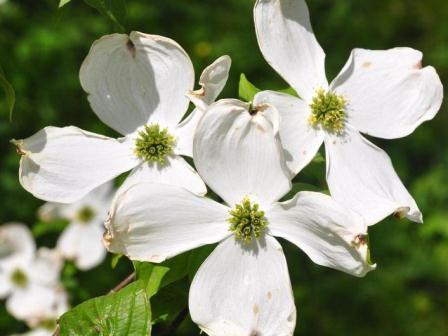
81,241
243,288
384,94
29,279
136,84
37,332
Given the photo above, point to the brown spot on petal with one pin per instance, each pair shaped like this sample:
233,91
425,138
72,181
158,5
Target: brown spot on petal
254,109
401,213
107,237
360,240
198,93
131,47
417,65
367,65
18,144
260,128
255,333
255,309
269,295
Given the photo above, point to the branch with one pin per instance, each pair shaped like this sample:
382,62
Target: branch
124,283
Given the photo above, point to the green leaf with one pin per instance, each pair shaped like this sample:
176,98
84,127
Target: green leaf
114,10
62,3
54,226
68,276
297,187
178,268
197,257
115,260
289,91
170,302
9,92
246,89
315,170
126,312
151,275
318,158
157,276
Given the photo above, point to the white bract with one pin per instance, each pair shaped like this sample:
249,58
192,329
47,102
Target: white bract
29,279
243,287
385,94
81,241
37,332
136,84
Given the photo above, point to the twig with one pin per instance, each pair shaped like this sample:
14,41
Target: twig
124,283
121,285
57,332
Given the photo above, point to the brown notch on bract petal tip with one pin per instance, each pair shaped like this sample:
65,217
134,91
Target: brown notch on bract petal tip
360,240
253,110
18,145
131,47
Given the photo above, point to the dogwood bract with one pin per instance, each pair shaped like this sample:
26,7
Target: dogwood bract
37,332
382,93
136,84
82,240
29,279
243,287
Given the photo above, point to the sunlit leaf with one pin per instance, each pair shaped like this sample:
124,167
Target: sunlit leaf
126,312
62,3
289,91
151,275
53,226
156,276
115,260
246,90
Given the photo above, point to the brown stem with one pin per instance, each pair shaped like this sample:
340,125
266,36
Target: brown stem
124,283
57,332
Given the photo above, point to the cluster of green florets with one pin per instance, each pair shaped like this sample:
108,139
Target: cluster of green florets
154,144
328,109
86,214
247,221
19,278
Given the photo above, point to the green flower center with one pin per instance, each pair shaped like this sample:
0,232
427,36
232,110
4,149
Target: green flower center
328,110
154,144
19,278
48,324
247,221
86,214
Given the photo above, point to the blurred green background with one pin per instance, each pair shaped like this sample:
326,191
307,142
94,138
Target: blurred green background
41,50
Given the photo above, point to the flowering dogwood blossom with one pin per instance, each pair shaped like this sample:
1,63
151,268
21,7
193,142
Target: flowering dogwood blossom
384,93
29,279
37,332
243,288
136,84
82,240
